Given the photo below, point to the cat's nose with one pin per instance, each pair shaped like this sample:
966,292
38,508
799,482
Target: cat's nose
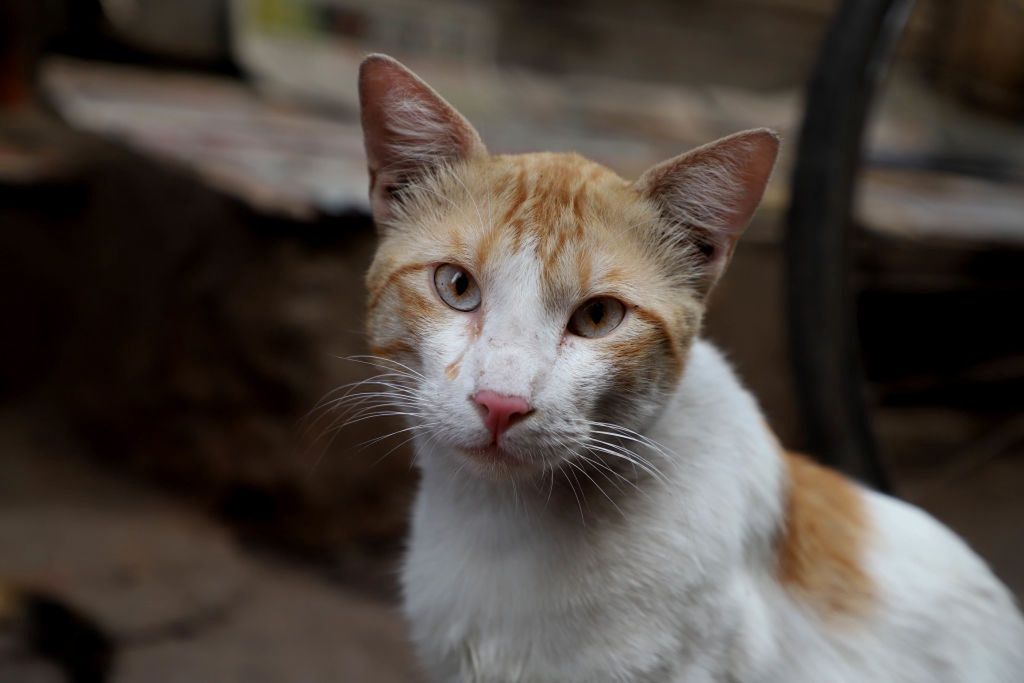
500,412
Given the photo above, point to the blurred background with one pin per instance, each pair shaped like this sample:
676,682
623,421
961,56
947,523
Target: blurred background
184,232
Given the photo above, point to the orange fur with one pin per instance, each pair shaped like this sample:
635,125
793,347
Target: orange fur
664,331
451,371
822,545
377,291
391,350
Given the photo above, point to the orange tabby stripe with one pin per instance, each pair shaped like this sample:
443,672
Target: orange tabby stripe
377,292
656,320
391,349
451,371
486,247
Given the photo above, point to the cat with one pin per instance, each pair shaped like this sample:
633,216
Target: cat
601,499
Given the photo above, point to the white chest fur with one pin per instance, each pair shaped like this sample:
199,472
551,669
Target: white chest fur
677,582
506,584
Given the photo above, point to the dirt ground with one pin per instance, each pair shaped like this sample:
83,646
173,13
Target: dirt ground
182,599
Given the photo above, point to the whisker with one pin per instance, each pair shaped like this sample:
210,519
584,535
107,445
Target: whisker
376,399
388,376
626,432
377,439
579,504
382,413
377,360
610,470
325,406
397,446
628,456
598,486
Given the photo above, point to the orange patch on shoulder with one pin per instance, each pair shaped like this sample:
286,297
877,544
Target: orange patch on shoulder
823,539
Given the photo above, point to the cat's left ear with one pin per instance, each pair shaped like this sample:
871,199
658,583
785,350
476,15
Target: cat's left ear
710,193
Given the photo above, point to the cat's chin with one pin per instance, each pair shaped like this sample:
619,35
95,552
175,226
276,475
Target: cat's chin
494,462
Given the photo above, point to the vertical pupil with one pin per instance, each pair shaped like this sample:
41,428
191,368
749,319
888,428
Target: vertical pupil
596,312
461,283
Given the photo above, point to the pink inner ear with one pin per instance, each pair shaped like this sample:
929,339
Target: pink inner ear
406,125
714,190
754,157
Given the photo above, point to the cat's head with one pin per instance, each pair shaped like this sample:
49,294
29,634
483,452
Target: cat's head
538,303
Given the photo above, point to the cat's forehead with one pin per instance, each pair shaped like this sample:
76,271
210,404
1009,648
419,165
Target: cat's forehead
549,201
573,223
561,209
545,171
544,185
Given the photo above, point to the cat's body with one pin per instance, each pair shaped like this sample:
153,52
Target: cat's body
689,584
601,499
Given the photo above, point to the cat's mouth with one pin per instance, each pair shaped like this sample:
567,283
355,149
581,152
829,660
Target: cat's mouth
495,455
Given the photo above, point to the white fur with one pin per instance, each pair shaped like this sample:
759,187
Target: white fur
505,583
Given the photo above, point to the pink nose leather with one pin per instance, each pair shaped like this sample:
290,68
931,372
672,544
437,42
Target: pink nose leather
499,411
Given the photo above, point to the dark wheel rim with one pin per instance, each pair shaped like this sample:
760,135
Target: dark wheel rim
820,235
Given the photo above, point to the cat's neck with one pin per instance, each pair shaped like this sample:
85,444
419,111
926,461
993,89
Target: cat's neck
721,477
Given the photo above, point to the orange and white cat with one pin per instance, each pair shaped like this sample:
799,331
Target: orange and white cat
601,499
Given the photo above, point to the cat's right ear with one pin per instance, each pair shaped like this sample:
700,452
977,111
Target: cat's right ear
408,129
709,194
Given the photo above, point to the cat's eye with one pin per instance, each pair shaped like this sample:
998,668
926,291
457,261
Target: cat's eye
456,287
597,317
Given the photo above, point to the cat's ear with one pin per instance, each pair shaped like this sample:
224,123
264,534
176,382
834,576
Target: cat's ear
408,130
709,195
